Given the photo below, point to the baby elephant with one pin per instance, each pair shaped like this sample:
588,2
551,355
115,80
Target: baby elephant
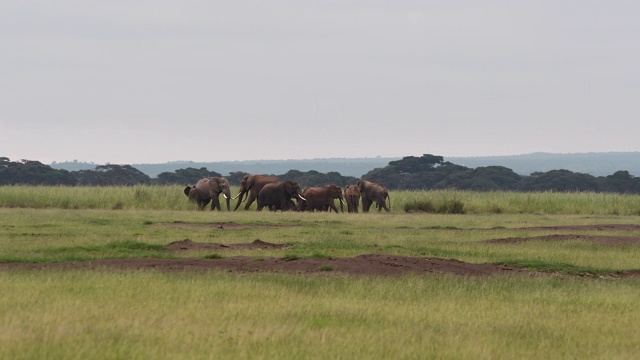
352,196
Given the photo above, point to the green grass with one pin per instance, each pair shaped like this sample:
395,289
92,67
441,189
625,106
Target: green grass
100,314
230,315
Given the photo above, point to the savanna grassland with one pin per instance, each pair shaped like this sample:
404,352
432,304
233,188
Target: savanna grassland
577,299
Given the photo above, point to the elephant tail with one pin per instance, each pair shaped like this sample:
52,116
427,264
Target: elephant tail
386,193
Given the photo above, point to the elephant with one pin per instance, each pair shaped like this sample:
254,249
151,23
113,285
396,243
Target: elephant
352,195
198,194
252,184
278,195
322,198
209,189
373,191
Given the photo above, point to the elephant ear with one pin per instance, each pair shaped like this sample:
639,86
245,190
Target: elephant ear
251,179
187,190
214,183
288,187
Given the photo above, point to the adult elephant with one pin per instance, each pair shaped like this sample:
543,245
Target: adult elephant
352,196
251,184
373,191
278,195
209,189
322,198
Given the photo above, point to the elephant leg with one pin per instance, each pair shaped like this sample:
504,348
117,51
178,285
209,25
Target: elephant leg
202,203
250,200
216,202
381,205
333,207
366,204
213,203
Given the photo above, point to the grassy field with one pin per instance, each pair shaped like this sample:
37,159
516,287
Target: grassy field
148,314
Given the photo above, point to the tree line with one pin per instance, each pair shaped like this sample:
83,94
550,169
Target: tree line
432,172
30,172
409,173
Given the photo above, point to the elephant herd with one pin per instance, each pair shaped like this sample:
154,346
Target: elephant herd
276,194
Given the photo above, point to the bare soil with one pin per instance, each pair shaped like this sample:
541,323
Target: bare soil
367,264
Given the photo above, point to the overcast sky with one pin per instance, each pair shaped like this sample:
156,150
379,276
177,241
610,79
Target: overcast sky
130,82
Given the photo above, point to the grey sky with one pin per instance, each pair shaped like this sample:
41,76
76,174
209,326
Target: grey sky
155,81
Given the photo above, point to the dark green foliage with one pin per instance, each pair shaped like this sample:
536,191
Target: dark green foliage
28,172
112,175
412,164
409,173
560,180
314,178
235,178
185,176
429,172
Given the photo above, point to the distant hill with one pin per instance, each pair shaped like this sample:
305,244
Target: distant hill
596,164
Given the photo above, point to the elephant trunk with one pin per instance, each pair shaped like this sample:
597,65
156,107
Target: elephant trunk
227,197
241,195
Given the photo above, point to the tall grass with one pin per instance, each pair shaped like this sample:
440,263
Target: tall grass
440,201
228,316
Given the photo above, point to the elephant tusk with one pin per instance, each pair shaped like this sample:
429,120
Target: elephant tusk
301,198
235,197
342,201
225,196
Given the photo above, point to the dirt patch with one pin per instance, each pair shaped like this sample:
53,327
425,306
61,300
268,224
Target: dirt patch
603,240
602,227
190,245
215,225
369,264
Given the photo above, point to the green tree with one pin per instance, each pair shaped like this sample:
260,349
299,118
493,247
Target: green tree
112,175
185,176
